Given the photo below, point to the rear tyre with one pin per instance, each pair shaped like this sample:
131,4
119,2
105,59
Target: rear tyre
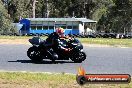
34,54
79,57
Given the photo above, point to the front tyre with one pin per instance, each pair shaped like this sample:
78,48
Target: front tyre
34,54
79,57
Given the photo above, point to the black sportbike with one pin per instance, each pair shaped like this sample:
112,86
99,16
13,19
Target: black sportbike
40,50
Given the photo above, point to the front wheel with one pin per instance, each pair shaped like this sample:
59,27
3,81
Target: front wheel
79,57
34,54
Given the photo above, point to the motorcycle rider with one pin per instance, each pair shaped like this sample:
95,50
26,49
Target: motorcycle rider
54,40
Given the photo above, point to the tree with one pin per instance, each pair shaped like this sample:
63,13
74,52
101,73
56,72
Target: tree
19,8
118,16
5,23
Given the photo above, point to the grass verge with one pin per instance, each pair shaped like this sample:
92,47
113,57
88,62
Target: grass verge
44,80
100,41
15,37
107,41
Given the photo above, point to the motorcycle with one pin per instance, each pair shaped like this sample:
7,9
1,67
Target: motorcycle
40,50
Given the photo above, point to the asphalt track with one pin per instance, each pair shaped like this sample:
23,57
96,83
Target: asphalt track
99,60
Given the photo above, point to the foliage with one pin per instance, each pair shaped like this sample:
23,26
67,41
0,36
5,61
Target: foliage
5,23
112,15
118,17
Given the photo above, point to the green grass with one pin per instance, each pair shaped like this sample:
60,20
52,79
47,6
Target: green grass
36,76
15,37
102,41
49,80
107,41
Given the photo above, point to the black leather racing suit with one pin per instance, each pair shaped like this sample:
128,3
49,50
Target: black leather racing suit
53,40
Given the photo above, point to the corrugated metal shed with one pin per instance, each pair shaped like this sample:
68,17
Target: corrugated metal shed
52,19
86,20
62,19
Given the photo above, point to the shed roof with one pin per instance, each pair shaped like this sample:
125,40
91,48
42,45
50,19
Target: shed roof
86,20
62,19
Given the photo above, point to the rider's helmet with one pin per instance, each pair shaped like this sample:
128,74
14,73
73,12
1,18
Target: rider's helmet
59,30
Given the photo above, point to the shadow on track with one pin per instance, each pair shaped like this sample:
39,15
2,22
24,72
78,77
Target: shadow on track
43,62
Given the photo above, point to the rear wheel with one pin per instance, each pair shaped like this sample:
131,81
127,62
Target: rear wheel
79,57
34,54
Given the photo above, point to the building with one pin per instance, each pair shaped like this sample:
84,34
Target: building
48,25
